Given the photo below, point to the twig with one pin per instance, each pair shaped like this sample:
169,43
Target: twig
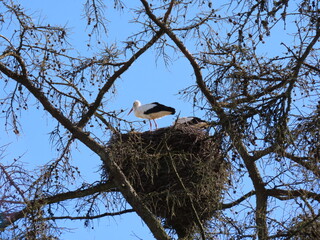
89,217
203,236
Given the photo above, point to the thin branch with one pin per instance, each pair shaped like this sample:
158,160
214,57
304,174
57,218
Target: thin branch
306,53
238,201
89,217
261,153
167,14
18,58
94,106
312,67
306,164
290,194
55,113
12,182
13,217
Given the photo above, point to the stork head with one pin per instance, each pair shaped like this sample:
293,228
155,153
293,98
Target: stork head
136,104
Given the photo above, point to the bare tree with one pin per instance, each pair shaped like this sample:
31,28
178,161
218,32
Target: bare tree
266,105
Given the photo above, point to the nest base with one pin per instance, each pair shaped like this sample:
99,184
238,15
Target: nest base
179,173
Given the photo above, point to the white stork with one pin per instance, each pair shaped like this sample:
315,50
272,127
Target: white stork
150,111
192,121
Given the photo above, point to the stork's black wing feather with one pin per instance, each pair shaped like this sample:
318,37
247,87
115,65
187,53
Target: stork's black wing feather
160,107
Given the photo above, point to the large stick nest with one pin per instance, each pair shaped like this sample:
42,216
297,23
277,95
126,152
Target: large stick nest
179,172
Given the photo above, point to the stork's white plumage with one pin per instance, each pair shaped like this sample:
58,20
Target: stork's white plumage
192,121
151,111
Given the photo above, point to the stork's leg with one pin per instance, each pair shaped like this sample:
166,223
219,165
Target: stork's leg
150,124
155,124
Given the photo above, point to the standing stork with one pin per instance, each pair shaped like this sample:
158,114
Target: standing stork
151,111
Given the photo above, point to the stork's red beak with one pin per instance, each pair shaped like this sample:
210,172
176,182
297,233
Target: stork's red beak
130,111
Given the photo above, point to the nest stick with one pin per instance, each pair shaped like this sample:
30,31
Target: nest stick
188,194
